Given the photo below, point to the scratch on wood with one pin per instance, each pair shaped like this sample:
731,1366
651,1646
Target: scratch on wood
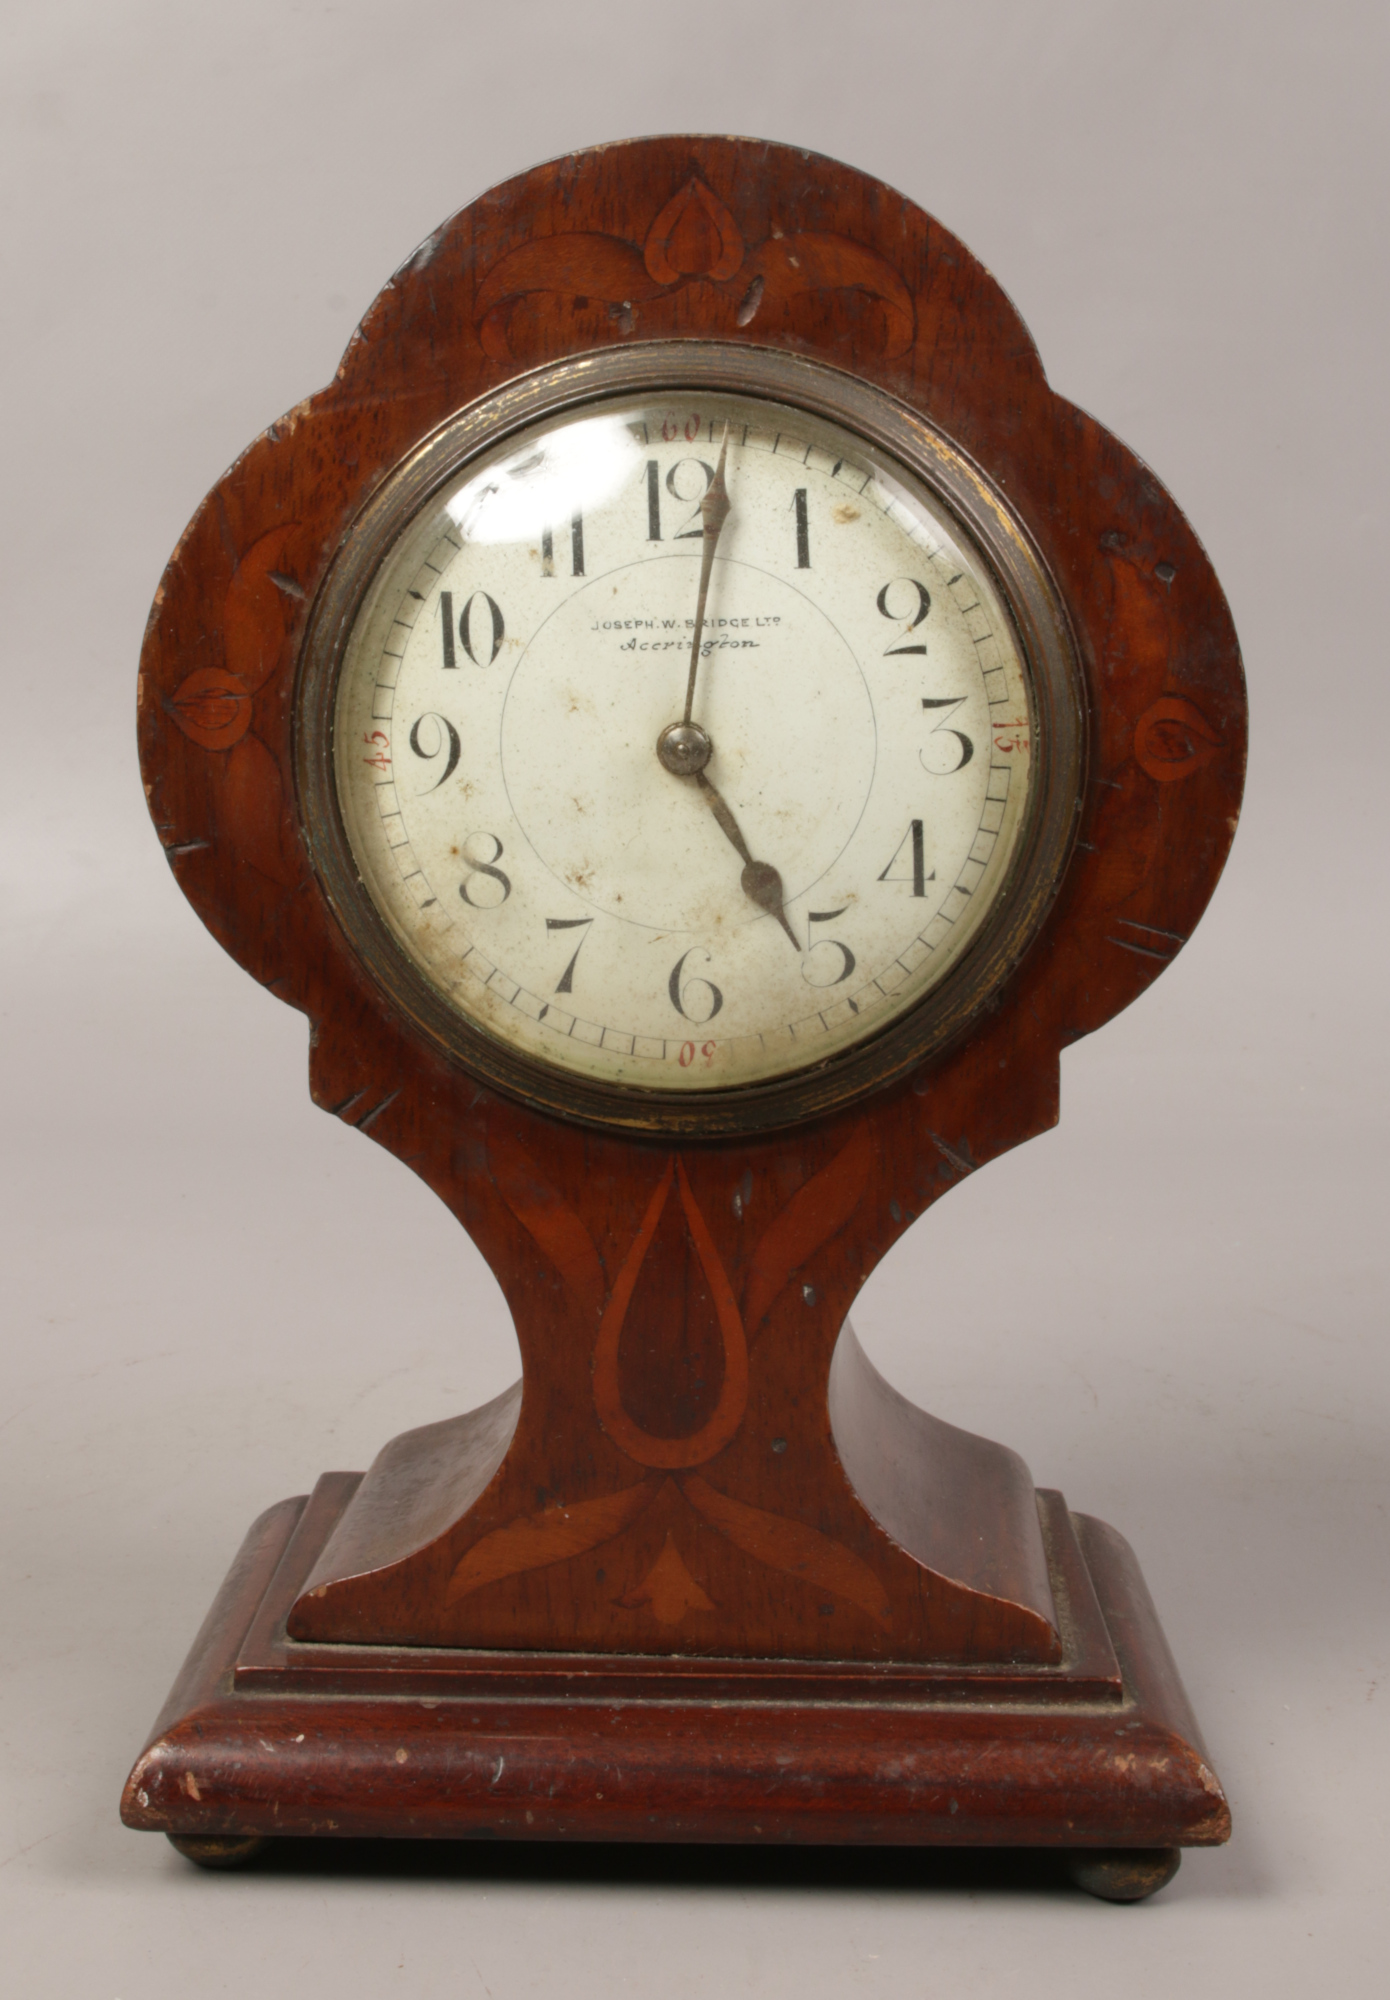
182,847
366,1124
224,526
286,583
1141,950
424,256
1152,930
752,299
959,1157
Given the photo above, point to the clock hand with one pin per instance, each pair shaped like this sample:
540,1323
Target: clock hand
760,880
684,747
714,512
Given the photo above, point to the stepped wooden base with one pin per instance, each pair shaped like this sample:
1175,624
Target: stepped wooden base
263,1735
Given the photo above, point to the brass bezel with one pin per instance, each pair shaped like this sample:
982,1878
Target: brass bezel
898,438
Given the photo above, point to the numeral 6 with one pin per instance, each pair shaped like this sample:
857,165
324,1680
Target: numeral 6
682,990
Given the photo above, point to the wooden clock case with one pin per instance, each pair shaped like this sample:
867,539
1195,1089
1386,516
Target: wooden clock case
703,1574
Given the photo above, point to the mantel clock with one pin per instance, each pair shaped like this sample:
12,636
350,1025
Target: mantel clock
698,726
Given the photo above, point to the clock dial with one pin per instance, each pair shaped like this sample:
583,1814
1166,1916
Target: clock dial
814,847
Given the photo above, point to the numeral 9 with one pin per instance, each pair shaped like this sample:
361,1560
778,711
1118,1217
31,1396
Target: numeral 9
443,733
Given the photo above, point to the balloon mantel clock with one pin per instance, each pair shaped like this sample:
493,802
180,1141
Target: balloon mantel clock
698,726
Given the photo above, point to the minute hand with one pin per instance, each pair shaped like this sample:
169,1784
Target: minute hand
714,512
761,882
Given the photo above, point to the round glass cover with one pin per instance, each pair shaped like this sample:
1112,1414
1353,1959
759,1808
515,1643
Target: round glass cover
655,893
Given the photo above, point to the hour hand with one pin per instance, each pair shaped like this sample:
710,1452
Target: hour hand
761,882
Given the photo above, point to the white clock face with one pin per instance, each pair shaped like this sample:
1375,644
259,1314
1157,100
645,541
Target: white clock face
861,718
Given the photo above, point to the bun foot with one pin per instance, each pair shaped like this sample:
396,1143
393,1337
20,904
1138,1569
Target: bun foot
1123,1874
231,1850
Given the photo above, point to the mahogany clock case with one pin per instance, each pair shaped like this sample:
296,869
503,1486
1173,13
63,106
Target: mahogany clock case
710,1577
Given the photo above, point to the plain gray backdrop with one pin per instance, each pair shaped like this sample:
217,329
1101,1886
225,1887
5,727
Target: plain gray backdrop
1173,1306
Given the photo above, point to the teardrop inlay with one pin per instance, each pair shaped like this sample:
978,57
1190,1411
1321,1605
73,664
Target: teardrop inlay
672,1452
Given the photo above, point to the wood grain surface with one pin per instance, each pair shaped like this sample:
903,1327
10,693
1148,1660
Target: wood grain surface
453,1751
691,1465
